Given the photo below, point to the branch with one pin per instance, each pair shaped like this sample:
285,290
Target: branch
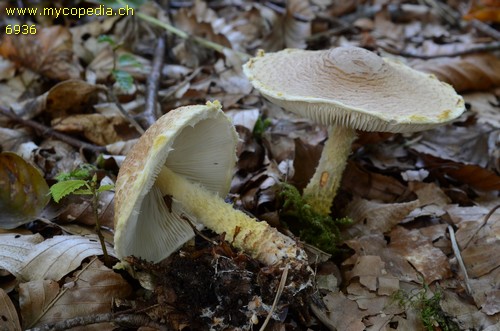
149,116
50,133
130,320
494,46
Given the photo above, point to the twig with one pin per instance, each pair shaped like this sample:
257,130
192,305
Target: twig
456,251
130,320
50,133
122,110
198,232
471,50
184,35
149,116
485,221
171,91
444,11
485,28
277,297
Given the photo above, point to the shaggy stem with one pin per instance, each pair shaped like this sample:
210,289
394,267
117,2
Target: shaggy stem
323,186
258,239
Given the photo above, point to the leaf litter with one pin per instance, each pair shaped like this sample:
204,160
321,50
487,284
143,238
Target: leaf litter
401,191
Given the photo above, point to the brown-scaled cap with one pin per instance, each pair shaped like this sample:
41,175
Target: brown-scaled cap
353,87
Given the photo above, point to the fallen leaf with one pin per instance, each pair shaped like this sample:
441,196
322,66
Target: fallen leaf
486,107
343,313
24,191
14,248
98,128
89,292
419,251
467,73
50,259
370,185
297,23
376,217
8,314
48,52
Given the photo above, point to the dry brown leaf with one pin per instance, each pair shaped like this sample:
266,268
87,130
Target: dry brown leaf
367,268
305,161
48,52
395,264
419,251
468,73
49,259
466,314
343,313
91,291
486,106
9,321
475,176
297,23
370,185
376,217
14,248
478,238
98,128
71,96
467,145
24,191
79,210
12,139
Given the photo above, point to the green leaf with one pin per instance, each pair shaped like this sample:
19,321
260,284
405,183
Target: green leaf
103,188
128,60
104,38
123,78
84,191
62,189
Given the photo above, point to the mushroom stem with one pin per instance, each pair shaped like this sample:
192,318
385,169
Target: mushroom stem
258,239
322,188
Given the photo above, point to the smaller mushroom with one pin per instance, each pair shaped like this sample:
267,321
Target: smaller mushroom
182,167
349,89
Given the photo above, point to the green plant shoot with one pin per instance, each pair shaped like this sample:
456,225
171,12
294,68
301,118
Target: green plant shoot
83,181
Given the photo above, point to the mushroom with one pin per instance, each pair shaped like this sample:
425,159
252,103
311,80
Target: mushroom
349,89
181,168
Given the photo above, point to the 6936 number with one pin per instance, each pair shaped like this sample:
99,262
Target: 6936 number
20,29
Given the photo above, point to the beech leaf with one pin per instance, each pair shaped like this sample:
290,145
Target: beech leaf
24,192
62,189
89,292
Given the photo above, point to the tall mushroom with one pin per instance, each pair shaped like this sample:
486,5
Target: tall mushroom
181,168
349,89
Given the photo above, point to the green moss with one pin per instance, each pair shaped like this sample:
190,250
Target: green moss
315,229
431,314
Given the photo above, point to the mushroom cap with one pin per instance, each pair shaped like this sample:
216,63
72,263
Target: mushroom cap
197,142
354,87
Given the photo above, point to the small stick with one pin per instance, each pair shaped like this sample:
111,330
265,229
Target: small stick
122,110
281,286
49,132
184,217
485,28
494,46
149,116
456,251
130,320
